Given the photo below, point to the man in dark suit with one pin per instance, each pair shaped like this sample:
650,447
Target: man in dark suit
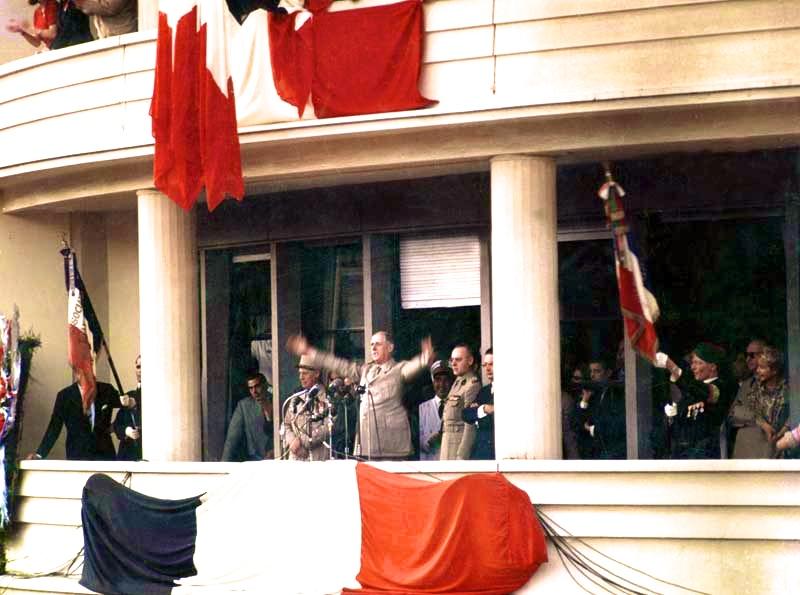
88,432
481,413
128,423
602,413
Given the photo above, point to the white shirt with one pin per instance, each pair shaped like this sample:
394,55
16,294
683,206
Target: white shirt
429,424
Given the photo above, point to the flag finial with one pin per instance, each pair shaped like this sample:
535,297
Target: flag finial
607,169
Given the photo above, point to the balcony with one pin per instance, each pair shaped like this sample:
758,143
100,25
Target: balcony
567,79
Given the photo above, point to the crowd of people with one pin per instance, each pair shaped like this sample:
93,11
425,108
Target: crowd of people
712,409
62,23
377,410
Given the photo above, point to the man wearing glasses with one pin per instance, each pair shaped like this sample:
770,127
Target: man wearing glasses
754,349
459,437
251,431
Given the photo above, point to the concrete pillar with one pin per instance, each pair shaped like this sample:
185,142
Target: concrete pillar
169,330
525,315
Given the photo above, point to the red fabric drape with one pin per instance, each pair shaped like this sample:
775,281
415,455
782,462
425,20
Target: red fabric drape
474,535
177,166
360,61
194,122
291,53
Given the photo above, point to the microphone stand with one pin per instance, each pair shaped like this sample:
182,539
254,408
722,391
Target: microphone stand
310,408
330,430
346,427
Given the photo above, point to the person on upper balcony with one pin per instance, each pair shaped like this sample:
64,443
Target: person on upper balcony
110,17
45,24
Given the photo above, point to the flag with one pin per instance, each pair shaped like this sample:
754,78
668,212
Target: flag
311,528
82,342
350,62
356,61
639,307
193,109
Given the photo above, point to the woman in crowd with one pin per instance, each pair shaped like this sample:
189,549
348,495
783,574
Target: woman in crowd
761,415
43,31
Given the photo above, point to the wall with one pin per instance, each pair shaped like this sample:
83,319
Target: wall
27,244
13,45
123,293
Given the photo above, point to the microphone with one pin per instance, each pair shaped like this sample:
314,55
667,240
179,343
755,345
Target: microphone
311,397
336,385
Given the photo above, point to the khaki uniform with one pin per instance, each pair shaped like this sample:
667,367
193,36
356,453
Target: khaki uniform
383,429
313,435
457,436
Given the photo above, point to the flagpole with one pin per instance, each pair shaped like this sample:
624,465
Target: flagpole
72,278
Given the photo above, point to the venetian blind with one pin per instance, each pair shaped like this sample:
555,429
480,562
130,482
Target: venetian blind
440,271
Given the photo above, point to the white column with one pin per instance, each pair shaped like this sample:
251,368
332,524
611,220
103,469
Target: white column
169,330
525,316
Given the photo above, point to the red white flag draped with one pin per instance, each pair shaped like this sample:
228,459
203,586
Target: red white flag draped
193,108
346,62
638,305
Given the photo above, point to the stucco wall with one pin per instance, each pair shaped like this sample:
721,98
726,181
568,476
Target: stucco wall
31,244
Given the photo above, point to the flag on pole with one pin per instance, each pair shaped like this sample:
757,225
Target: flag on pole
80,339
639,307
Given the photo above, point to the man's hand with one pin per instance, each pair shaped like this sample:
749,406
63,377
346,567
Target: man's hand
132,433
488,409
34,456
426,349
297,344
297,449
767,429
434,441
586,395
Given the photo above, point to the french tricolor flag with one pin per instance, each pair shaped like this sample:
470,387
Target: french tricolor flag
217,59
292,528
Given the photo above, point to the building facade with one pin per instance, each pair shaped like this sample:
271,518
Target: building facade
680,95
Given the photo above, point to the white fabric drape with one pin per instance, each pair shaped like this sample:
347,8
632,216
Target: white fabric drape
285,527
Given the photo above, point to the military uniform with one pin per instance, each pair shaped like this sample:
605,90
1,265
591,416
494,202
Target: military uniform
457,436
383,428
309,423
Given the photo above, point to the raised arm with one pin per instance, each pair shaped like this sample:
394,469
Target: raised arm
416,364
300,346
